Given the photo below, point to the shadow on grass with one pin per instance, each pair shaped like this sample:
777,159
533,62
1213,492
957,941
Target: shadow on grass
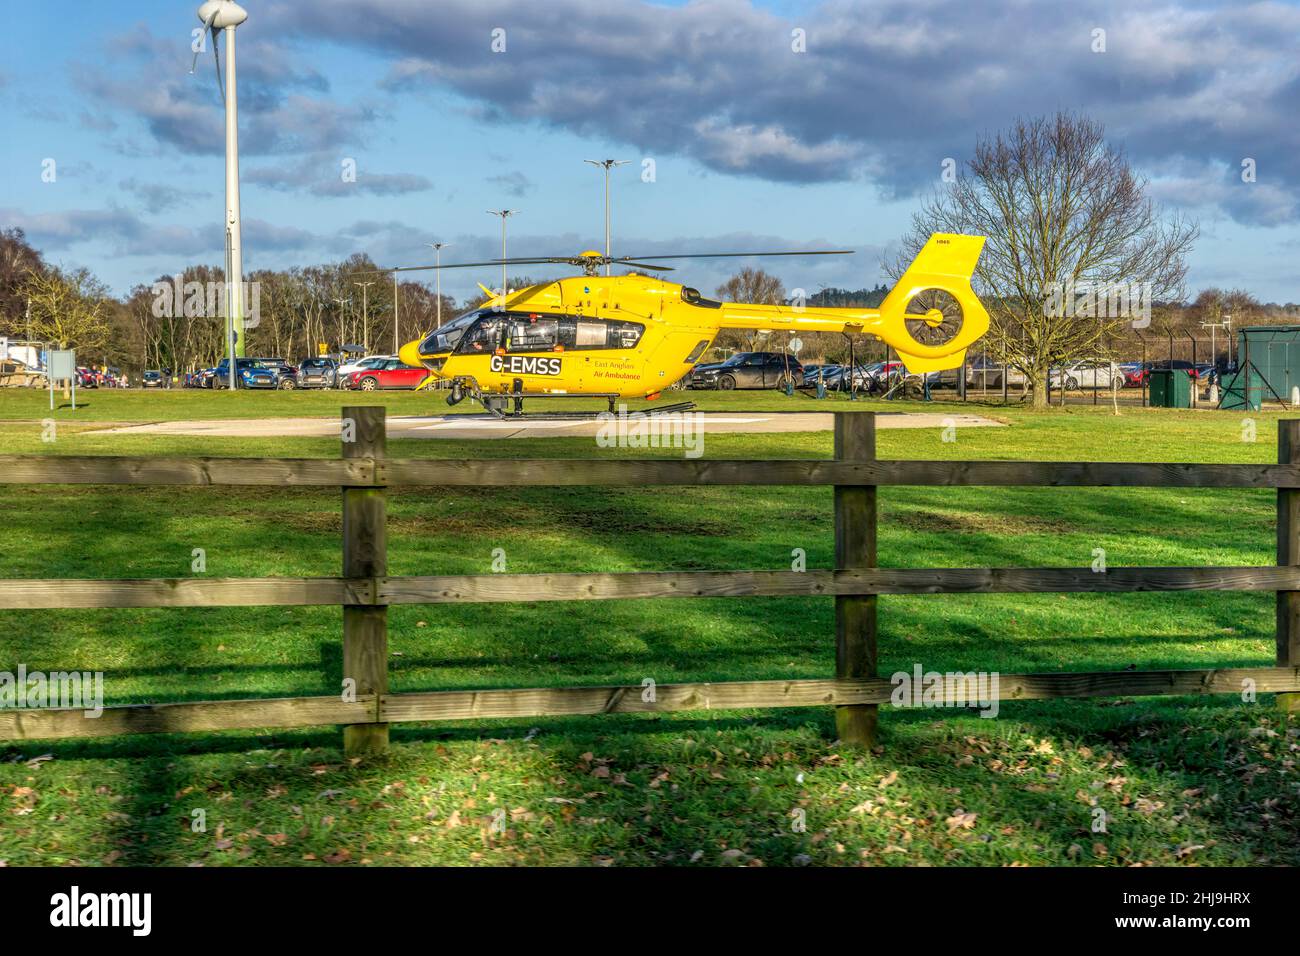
1179,781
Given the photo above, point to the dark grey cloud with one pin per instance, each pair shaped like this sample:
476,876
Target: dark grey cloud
884,92
334,176
158,197
513,184
127,234
284,107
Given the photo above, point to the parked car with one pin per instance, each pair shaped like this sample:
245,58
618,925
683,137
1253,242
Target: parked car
249,373
151,379
985,374
1181,365
1092,373
880,375
317,373
1135,373
286,374
87,378
393,373
811,372
347,368
845,378
749,370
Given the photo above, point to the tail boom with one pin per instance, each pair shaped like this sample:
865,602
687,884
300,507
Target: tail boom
945,263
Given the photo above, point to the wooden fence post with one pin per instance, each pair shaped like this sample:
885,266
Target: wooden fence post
1288,552
365,555
855,547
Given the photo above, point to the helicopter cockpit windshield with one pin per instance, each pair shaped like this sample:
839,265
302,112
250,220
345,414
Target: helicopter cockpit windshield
445,338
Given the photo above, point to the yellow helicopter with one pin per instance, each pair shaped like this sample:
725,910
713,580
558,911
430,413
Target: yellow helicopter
634,335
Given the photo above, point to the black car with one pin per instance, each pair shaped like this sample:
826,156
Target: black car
317,373
152,379
749,370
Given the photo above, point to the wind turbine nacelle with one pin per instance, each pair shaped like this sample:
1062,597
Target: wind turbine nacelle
228,14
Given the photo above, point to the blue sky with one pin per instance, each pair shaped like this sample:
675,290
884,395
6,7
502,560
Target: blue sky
754,145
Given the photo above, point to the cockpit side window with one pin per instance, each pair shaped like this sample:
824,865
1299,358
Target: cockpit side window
531,332
447,337
482,337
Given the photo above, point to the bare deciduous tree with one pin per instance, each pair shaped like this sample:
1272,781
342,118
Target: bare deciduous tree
1063,212
748,285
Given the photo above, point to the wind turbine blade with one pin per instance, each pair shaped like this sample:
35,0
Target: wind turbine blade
217,57
207,28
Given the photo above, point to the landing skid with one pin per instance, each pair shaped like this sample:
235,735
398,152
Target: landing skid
509,406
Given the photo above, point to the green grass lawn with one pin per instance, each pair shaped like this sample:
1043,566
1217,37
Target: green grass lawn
1181,781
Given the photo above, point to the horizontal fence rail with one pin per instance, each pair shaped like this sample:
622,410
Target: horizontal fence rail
26,593
508,473
366,590
290,712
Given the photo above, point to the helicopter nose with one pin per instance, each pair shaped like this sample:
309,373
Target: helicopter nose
410,354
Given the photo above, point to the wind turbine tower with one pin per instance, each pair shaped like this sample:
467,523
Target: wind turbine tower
222,16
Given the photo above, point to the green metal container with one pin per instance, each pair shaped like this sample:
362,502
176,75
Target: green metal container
1170,388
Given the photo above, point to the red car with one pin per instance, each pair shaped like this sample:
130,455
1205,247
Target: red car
391,374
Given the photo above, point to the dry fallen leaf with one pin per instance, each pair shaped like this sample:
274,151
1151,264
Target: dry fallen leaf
962,820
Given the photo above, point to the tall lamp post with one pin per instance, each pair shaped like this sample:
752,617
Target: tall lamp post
396,346
343,335
437,248
504,214
365,314
607,165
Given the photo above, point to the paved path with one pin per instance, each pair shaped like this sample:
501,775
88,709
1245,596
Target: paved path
482,426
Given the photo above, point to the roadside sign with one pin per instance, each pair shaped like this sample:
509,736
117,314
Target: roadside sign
63,368
63,365
796,345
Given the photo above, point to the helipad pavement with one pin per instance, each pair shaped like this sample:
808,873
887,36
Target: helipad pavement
485,426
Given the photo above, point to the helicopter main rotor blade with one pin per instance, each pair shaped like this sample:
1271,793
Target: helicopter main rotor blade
641,265
734,255
461,265
579,261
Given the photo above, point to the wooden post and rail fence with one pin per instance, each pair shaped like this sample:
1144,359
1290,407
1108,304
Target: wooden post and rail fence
365,707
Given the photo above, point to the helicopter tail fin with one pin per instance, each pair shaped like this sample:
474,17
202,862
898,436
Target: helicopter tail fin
945,263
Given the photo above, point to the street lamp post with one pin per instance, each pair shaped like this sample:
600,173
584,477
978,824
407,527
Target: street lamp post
437,248
504,214
343,335
607,164
365,314
395,340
